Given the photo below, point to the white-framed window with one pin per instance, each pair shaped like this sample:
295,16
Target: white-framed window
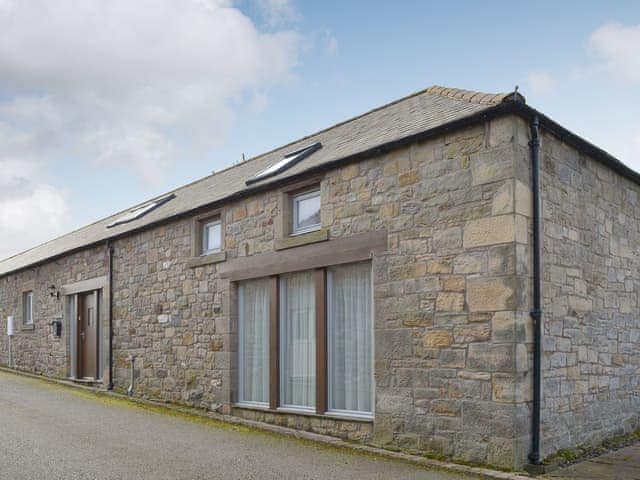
297,341
348,304
350,340
253,342
211,236
27,308
306,212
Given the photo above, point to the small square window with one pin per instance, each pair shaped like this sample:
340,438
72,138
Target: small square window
306,212
27,308
211,237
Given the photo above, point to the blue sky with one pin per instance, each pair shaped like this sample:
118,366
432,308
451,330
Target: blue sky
103,107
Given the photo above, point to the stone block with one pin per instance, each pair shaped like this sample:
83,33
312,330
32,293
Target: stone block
450,302
350,171
521,229
492,165
450,238
474,262
494,419
408,178
488,357
445,406
417,319
413,270
437,338
512,327
511,388
440,266
502,260
394,344
453,358
503,199
523,199
489,231
491,294
471,333
454,284
394,402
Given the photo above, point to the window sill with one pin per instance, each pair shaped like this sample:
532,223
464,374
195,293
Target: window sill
27,328
321,235
207,259
294,411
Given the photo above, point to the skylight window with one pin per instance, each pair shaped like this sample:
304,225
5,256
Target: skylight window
289,160
140,211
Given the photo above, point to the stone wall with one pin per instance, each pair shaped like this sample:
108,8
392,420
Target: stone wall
591,282
452,337
37,349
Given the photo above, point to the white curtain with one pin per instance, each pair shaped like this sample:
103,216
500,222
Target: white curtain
350,338
254,341
298,340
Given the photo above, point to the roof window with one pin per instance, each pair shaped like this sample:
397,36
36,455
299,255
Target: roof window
289,160
140,211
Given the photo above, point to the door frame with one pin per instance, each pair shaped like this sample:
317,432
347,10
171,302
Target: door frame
73,343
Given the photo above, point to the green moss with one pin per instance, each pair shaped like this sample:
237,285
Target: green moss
571,455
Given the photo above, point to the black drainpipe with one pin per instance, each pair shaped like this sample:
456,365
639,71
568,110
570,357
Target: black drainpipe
110,274
536,313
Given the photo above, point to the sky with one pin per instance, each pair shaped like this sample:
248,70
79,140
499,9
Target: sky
106,104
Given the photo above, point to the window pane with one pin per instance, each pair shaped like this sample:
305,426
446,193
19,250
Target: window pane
28,308
211,237
350,338
298,340
254,341
307,210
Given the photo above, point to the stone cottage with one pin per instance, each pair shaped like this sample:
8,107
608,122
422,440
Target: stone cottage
453,272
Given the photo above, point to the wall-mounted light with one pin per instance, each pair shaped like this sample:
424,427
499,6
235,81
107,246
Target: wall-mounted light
53,292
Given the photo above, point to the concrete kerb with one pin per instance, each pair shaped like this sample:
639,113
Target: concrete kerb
480,472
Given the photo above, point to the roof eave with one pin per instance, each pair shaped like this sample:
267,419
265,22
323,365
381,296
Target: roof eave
506,108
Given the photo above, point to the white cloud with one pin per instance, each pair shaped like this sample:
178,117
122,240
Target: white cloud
31,211
541,82
129,78
132,85
618,49
278,12
33,215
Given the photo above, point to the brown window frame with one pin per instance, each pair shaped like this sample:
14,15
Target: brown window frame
320,287
199,257
285,236
322,348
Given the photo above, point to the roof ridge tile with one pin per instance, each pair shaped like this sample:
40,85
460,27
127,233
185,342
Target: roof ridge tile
469,96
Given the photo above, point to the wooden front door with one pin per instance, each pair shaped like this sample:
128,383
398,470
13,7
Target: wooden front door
88,335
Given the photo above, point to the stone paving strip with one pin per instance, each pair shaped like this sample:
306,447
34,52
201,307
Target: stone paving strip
435,466
623,464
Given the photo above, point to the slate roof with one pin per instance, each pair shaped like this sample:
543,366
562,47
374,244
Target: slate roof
422,111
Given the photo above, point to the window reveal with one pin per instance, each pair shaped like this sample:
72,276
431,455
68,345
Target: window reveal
315,338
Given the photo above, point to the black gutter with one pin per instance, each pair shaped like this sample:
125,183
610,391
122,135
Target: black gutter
479,117
514,107
536,313
110,308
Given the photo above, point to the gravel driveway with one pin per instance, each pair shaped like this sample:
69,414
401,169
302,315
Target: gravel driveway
56,432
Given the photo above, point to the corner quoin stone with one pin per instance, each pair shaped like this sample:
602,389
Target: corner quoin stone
489,231
491,294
